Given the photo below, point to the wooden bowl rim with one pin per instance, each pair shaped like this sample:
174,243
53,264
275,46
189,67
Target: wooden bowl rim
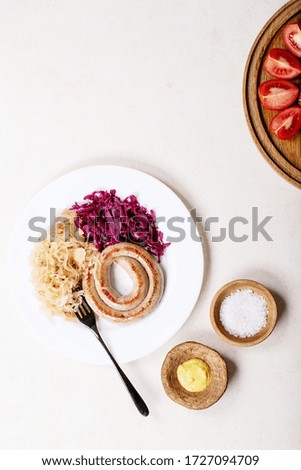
232,287
219,376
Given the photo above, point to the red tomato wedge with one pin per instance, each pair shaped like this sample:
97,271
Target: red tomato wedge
277,94
287,123
292,38
280,63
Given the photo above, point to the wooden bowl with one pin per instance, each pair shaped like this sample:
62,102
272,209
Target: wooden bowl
226,290
218,373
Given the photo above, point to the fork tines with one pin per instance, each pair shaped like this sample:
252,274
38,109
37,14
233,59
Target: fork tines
83,311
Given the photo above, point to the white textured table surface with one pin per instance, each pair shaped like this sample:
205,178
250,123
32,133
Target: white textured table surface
156,85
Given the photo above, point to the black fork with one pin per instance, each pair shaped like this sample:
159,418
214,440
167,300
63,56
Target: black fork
86,316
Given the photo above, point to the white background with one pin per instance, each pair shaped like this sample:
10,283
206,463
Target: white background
156,85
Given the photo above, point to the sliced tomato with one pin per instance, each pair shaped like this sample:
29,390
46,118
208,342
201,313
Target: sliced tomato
277,94
287,123
280,63
292,38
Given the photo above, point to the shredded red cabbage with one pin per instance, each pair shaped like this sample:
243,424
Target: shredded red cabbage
106,219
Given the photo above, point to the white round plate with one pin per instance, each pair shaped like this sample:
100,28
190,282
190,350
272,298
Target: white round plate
183,266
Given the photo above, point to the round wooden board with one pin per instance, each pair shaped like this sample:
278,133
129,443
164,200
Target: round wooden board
283,156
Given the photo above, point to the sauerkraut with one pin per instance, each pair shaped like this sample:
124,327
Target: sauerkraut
59,265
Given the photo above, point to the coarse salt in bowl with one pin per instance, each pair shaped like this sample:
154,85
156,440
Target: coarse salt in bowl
243,312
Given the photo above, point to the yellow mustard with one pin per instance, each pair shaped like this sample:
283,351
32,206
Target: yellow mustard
194,375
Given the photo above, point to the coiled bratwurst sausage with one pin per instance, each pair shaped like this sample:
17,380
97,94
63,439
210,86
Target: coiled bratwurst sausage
145,272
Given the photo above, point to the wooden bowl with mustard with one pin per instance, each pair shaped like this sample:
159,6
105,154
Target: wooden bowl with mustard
194,375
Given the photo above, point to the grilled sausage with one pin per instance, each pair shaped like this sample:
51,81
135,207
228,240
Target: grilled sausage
145,272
